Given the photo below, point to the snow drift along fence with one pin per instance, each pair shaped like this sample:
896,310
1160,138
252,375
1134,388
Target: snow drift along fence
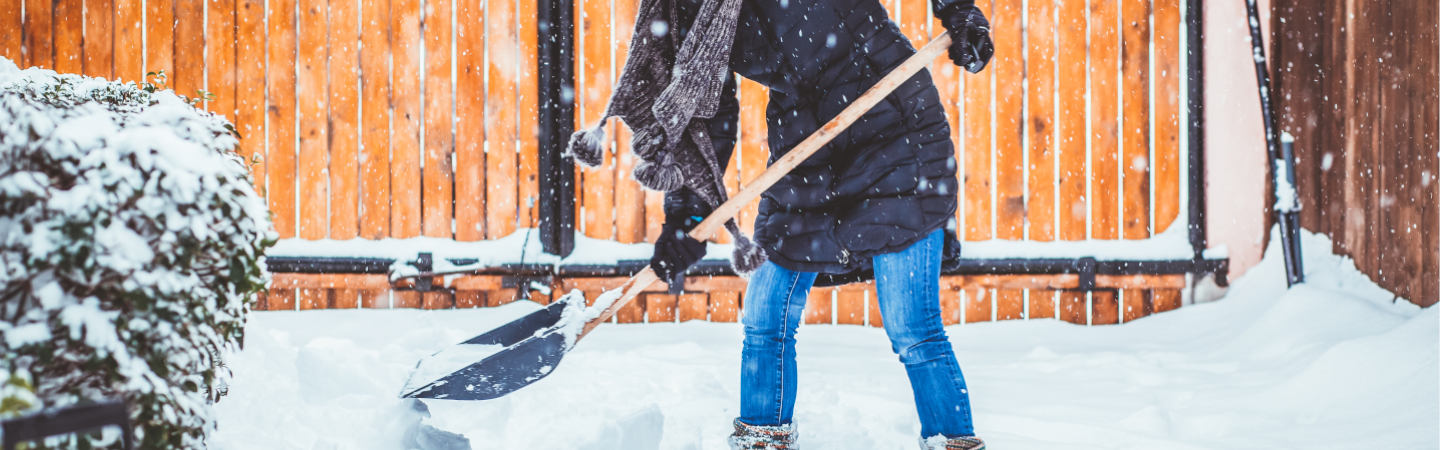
405,118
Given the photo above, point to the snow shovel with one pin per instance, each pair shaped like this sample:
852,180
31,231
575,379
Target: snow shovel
529,348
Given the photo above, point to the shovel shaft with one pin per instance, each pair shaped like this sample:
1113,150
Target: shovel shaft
712,223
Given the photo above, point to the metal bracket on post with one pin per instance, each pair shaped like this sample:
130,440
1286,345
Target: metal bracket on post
425,262
1086,268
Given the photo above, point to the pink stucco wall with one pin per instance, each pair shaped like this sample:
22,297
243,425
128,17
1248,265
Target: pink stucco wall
1234,135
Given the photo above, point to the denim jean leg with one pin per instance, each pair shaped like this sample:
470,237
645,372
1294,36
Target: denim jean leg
908,284
773,305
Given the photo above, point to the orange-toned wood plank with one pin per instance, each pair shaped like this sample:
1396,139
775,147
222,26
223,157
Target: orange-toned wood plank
634,312
259,303
1105,309
160,37
249,87
979,304
629,196
374,183
1140,281
345,299
69,35
438,300
329,280
219,57
470,122
282,299
724,306
189,76
469,299
39,34
280,126
1009,68
595,69
1104,121
660,308
502,190
99,38
312,109
313,298
12,38
1071,205
374,298
753,151
343,41
817,305
950,306
1009,304
977,179
478,282
710,284
438,178
912,18
693,306
1135,303
406,299
1165,299
499,297
129,49
654,214
1040,120
1167,113
850,306
1072,307
872,306
1135,119
405,76
1042,304
528,121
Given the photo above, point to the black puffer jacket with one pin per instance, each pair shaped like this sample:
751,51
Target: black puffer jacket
877,188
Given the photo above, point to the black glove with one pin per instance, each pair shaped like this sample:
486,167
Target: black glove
676,251
971,46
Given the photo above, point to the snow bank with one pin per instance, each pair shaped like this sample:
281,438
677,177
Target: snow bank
1334,363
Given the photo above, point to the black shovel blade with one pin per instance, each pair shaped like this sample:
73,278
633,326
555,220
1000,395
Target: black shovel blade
534,346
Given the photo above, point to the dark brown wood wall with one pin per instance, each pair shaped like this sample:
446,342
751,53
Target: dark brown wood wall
1358,84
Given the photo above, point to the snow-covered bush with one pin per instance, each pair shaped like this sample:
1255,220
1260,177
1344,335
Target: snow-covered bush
131,244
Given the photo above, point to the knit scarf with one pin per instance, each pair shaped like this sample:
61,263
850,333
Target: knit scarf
668,89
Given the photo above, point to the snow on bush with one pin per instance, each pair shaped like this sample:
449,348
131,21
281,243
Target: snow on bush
131,244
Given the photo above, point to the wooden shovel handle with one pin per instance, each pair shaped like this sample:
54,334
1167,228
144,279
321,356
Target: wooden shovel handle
902,73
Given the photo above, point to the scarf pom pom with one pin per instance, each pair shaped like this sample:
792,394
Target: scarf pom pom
748,256
586,145
658,177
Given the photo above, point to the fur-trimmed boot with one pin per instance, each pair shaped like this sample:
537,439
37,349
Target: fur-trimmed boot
940,442
755,437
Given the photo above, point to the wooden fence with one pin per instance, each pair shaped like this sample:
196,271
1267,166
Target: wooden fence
1359,87
405,118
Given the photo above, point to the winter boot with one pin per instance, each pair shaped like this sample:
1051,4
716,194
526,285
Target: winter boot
940,442
753,437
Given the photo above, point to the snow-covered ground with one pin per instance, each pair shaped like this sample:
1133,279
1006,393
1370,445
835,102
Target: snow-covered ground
1331,364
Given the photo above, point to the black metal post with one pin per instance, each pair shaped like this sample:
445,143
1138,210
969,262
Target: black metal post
1195,88
1288,228
557,121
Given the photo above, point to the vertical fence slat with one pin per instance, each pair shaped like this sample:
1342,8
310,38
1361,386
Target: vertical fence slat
311,298
629,195
500,157
693,306
654,214
978,180
528,120
405,138
69,35
1167,113
872,306
374,298
129,50
1072,307
1135,123
345,299
219,57
12,30
850,306
1040,206
39,31
631,313
1166,299
249,86
817,305
1009,68
1134,304
599,191
470,201
312,107
189,76
1104,121
99,38
160,37
660,308
282,299
280,157
374,183
343,40
1105,309
724,306
1042,304
1070,119
439,122
950,305
912,17
978,304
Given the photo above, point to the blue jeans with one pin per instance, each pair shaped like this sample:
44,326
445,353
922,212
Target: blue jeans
908,284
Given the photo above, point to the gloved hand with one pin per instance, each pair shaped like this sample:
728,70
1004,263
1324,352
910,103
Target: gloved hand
971,46
676,251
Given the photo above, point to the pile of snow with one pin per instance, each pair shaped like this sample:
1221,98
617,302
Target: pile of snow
130,248
1335,363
